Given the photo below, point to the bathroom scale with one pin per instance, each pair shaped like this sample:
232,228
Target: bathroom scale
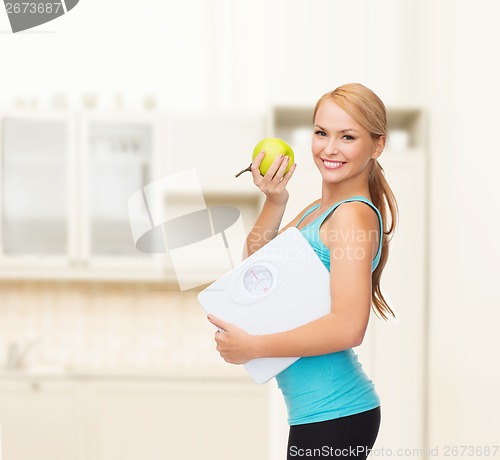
281,286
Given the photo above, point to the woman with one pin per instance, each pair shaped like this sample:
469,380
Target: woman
333,408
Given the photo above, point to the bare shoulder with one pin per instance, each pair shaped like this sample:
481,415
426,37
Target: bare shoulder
296,219
356,219
355,212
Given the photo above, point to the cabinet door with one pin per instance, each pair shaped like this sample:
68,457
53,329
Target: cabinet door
39,420
36,156
217,146
182,421
119,157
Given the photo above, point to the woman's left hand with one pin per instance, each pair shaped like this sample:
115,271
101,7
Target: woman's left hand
233,344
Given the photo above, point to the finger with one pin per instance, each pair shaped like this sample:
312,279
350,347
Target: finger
289,174
218,322
271,172
219,336
256,164
281,170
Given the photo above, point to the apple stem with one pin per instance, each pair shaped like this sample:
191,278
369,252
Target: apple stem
244,170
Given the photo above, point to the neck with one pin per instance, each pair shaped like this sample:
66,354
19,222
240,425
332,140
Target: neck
333,193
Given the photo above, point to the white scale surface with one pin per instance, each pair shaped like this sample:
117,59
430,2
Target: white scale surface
281,286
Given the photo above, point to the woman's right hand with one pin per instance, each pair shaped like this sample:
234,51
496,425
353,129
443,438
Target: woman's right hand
273,183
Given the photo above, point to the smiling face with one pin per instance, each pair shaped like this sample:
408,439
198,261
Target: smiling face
342,148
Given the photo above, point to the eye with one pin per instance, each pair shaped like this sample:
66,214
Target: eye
318,132
347,137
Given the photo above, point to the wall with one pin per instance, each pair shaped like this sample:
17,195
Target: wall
458,80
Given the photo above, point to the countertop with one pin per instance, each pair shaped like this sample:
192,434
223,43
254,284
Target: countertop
230,373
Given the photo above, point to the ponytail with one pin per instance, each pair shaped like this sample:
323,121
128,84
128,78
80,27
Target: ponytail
384,200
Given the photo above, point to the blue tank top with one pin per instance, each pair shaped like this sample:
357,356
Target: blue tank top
325,387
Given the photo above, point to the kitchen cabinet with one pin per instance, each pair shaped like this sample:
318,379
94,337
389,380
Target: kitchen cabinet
40,419
133,417
181,420
37,171
117,162
67,178
119,155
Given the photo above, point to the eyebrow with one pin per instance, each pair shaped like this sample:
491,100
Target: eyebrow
342,131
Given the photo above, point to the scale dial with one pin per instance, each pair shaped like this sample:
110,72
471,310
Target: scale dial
258,280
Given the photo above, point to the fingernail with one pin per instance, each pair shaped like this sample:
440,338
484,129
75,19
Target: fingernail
261,152
281,156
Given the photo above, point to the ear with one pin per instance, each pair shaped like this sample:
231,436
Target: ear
379,146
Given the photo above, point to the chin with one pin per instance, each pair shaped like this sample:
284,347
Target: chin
331,176
331,180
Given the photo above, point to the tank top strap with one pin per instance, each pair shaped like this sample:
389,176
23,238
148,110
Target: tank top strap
311,209
322,218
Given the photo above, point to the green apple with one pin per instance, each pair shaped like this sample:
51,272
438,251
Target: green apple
273,148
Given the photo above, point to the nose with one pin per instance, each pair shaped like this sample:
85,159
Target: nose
331,148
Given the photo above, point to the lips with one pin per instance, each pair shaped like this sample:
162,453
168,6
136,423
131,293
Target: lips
333,164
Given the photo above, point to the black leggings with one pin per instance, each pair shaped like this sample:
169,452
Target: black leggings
352,436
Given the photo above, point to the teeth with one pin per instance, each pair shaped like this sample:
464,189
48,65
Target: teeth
332,164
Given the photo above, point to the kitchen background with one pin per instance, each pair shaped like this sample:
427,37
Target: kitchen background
103,355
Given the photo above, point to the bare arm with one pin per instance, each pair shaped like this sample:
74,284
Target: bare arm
350,286
265,227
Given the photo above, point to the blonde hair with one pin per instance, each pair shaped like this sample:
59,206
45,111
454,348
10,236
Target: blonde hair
367,109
